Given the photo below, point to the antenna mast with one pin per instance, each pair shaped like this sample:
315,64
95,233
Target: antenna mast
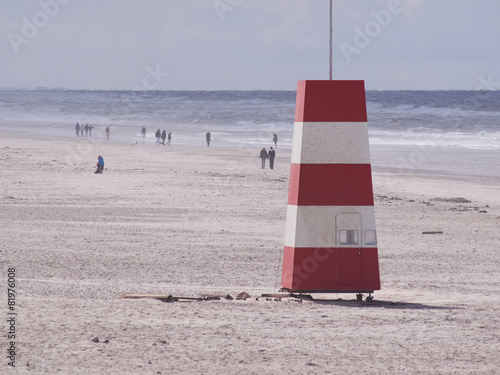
331,39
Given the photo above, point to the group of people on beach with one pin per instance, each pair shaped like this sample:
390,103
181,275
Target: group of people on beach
264,154
271,154
159,135
83,130
162,136
86,130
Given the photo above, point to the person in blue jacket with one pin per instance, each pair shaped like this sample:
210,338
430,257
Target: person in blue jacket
100,164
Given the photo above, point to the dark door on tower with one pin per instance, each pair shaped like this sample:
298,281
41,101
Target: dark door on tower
349,252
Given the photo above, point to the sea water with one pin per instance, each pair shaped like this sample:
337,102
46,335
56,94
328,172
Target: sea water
454,132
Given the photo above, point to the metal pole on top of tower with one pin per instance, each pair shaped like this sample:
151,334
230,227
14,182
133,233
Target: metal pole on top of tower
331,39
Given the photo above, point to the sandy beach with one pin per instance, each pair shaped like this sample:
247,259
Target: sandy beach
208,221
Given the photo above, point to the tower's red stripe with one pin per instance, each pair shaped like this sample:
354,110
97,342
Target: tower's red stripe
330,185
330,101
318,269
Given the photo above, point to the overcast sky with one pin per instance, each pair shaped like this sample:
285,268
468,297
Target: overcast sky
248,44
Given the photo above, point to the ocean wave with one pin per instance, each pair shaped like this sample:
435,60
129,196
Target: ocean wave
454,119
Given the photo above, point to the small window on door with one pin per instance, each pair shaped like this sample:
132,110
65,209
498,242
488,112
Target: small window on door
348,237
371,237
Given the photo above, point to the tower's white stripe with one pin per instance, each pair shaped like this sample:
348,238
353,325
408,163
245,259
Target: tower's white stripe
314,226
330,143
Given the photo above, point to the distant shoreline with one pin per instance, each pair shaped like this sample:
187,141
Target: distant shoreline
384,160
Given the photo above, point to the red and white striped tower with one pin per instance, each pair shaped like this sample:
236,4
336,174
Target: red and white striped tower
330,241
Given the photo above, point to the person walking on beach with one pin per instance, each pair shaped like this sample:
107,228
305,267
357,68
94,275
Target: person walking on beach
100,164
271,155
169,138
163,137
107,132
86,130
90,131
275,139
77,128
208,138
143,132
263,156
158,137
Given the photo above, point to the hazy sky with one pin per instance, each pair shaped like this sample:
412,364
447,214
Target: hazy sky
248,44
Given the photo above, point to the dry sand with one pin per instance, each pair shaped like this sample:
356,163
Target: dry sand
209,221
